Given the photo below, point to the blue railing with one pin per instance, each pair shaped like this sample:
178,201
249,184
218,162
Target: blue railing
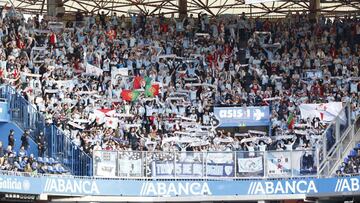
58,145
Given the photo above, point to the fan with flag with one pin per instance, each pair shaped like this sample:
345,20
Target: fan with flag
152,90
130,95
291,121
140,82
103,116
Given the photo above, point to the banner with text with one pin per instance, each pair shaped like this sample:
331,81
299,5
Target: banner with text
70,186
280,164
105,163
242,116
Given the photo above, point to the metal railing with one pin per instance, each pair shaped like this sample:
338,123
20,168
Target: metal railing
58,145
22,112
336,138
206,165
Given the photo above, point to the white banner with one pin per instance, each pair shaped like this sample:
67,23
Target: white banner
93,70
281,163
106,170
325,111
278,163
246,165
130,168
219,158
116,73
105,163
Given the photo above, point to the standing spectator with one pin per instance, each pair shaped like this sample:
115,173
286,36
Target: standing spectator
11,139
102,18
25,140
2,154
41,144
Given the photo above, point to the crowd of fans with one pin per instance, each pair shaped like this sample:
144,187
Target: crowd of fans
22,161
78,76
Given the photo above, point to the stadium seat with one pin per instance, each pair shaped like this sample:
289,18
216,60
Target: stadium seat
50,169
40,160
52,161
46,161
353,153
357,146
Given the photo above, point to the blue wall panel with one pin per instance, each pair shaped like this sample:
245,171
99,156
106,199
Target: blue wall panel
4,131
4,112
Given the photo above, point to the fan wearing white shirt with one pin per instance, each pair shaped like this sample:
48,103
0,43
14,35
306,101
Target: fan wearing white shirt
262,146
289,144
251,148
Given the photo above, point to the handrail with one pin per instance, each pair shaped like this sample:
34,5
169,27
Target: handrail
27,174
347,149
174,164
328,152
343,141
21,114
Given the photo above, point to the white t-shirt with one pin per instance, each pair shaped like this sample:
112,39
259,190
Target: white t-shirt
262,148
289,147
251,150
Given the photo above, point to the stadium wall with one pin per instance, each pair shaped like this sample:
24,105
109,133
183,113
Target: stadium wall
5,129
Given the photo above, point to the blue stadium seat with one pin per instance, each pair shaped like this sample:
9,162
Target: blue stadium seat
40,160
62,169
353,153
50,169
46,161
52,161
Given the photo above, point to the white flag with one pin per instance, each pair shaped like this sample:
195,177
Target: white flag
111,122
98,116
93,70
325,111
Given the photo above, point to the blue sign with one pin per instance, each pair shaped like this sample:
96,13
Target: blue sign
116,187
192,169
242,116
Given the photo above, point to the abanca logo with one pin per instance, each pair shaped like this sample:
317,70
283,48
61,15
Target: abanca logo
279,187
347,185
71,186
174,189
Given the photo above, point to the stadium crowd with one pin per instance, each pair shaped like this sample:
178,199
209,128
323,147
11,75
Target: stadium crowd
151,83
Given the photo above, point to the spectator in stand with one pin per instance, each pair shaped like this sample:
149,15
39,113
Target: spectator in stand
11,138
25,140
41,144
153,84
2,153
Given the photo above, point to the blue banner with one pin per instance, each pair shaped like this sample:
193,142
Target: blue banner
242,116
70,186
